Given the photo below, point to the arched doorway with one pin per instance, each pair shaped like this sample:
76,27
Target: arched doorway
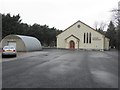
72,44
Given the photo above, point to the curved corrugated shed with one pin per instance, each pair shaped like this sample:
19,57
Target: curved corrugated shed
26,43
31,43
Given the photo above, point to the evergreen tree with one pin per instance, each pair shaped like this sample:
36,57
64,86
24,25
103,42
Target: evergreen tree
111,34
13,25
118,35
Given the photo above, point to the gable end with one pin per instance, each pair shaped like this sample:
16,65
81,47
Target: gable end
85,25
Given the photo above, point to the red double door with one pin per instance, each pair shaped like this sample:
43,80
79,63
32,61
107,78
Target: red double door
72,44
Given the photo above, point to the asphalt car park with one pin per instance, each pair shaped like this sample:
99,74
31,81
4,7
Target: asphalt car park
53,68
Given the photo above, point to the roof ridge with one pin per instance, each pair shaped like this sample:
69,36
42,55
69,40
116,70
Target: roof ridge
84,24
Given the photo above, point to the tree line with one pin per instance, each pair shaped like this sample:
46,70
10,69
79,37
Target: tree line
113,30
13,25
47,36
111,33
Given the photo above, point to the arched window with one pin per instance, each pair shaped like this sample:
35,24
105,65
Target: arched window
87,37
84,37
90,37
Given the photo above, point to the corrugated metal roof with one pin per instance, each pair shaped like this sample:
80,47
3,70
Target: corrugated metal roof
31,43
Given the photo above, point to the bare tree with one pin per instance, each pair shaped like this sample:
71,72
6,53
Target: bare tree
96,25
116,15
102,26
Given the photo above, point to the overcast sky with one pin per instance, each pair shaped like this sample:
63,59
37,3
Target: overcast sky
60,13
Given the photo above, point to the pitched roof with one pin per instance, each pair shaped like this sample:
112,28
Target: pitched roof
73,36
84,24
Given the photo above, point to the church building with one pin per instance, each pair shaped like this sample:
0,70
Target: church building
81,36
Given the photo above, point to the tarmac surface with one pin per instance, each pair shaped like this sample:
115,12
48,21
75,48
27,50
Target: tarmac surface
52,68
